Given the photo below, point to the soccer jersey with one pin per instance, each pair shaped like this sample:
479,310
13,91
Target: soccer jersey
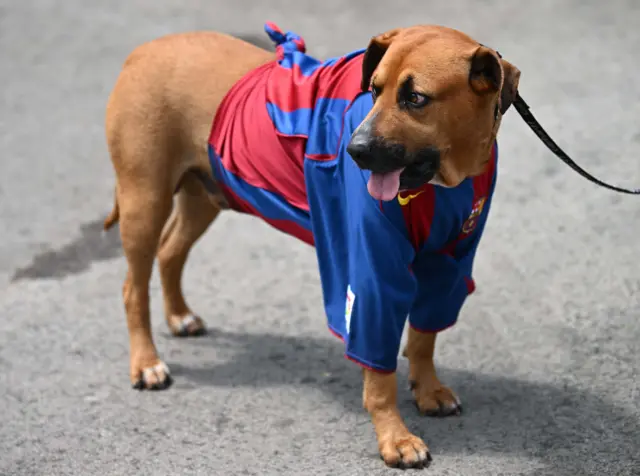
278,150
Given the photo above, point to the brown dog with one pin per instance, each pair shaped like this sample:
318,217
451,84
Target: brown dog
438,98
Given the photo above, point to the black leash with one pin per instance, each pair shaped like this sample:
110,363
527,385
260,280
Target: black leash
523,110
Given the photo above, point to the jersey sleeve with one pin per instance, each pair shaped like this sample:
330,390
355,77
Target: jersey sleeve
381,285
443,285
444,282
364,257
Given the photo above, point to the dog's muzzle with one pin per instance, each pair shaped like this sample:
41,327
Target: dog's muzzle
372,152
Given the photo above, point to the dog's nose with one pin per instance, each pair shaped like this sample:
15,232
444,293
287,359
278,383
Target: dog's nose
360,143
358,147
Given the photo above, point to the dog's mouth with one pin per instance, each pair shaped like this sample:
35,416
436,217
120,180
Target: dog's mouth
385,186
421,171
392,168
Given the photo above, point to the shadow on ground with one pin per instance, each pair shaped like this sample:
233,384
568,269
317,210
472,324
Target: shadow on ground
93,244
556,425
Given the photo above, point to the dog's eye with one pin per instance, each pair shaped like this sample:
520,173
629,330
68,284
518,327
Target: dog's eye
417,100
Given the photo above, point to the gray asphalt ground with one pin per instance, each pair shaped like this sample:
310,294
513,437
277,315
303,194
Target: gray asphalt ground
546,356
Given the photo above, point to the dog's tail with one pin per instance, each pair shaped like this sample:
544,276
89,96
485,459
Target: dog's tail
114,216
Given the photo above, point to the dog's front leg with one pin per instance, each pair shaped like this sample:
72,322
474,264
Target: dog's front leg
398,447
432,398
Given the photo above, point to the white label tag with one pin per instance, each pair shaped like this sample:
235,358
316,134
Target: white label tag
349,308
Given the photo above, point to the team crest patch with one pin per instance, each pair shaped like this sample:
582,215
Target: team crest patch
472,221
349,308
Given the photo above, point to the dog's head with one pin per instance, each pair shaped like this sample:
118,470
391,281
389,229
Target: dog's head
439,97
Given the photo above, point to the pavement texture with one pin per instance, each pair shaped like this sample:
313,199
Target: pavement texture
546,355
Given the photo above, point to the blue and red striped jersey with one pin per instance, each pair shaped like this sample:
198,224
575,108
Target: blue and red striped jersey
278,150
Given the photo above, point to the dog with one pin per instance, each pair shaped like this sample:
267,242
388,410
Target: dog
383,159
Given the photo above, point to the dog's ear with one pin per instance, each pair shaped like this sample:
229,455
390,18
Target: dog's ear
375,51
509,85
485,75
490,73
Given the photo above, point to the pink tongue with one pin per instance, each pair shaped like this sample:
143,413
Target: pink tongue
384,186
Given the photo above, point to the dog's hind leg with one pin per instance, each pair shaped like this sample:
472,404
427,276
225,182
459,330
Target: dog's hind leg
195,210
144,157
144,209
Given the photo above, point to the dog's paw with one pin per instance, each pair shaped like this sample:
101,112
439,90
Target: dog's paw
405,451
436,400
187,326
157,377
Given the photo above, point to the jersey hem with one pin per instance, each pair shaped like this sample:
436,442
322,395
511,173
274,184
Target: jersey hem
357,360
